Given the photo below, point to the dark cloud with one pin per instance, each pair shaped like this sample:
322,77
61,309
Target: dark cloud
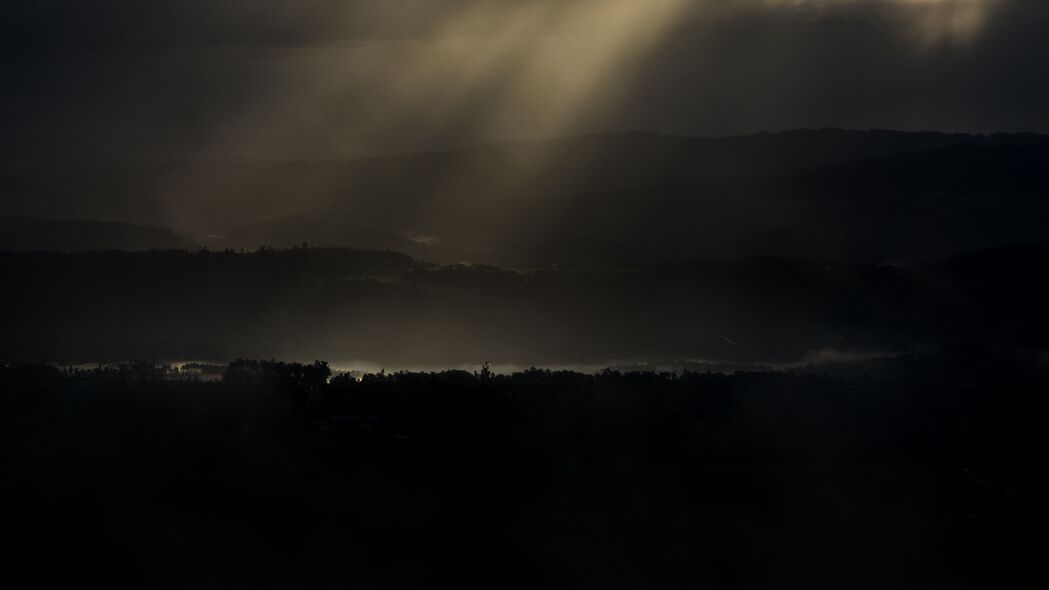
324,78
120,24
108,24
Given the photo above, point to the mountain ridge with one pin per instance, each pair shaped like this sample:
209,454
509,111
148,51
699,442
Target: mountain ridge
590,200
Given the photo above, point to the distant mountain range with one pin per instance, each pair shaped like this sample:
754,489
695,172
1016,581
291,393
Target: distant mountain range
600,200
35,234
384,307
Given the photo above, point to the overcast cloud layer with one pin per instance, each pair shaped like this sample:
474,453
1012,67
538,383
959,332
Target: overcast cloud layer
330,79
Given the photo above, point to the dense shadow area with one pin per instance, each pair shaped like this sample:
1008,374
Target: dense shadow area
924,472
386,307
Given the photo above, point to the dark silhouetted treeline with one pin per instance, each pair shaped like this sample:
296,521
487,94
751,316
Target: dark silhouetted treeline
925,473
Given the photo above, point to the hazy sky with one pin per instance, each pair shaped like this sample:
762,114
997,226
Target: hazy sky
329,79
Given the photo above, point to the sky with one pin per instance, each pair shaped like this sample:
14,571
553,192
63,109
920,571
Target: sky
328,79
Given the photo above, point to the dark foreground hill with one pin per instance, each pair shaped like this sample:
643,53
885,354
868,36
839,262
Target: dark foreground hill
927,473
603,200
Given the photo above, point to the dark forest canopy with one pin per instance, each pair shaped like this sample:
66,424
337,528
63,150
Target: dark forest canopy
926,471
